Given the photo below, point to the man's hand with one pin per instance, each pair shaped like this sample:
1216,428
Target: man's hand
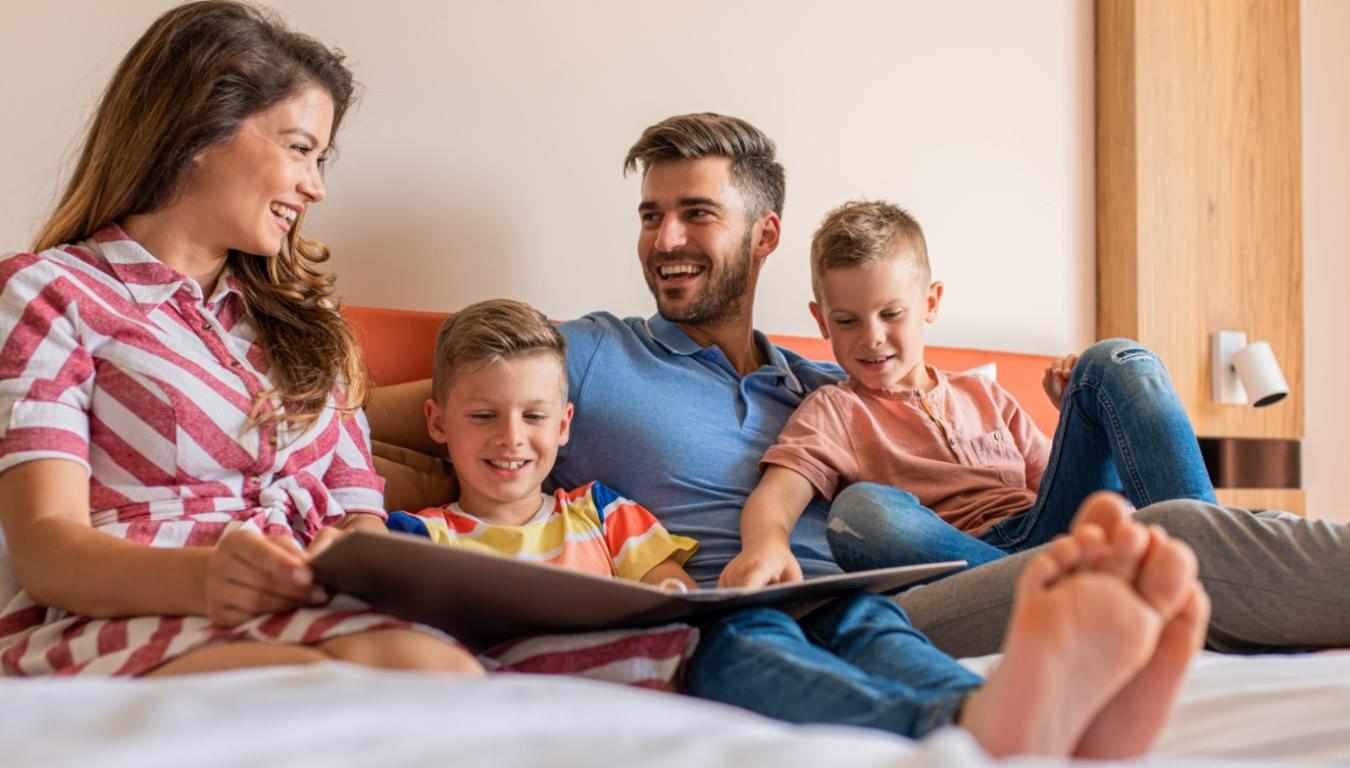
768,564
1057,378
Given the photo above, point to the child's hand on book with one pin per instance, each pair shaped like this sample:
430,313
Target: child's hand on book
761,565
1056,378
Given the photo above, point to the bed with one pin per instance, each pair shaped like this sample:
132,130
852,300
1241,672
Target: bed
1256,710
1233,711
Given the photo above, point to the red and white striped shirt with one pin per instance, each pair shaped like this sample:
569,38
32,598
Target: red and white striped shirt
111,359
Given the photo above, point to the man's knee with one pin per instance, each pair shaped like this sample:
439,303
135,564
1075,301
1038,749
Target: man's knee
1185,519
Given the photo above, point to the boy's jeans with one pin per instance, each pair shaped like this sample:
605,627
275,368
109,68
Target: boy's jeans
855,661
1121,428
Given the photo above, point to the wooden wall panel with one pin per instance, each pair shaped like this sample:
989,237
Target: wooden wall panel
1264,498
1199,209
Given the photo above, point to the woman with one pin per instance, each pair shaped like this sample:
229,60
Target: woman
180,424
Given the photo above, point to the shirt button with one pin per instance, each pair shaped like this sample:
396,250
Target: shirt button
272,441
206,327
236,364
254,479
951,441
998,436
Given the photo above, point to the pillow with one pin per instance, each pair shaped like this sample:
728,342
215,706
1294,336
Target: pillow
989,370
646,658
413,480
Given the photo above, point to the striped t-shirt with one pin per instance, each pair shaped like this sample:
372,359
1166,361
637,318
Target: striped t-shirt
591,529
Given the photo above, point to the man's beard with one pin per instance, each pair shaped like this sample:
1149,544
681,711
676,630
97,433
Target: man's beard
722,297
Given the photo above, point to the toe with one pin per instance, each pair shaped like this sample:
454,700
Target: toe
1167,574
1104,509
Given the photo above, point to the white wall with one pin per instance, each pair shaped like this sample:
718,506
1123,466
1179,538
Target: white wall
485,158
1326,254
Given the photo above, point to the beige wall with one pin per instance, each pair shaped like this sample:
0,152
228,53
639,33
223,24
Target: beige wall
485,158
1326,254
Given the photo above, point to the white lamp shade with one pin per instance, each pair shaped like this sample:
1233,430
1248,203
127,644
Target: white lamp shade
1260,374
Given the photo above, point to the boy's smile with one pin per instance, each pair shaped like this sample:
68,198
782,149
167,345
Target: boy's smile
502,423
874,317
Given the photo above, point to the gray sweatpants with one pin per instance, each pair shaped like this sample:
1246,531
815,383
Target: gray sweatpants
1277,583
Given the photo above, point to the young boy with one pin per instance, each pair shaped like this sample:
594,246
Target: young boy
500,406
979,479
1105,624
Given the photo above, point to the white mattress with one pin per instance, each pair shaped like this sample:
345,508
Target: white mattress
1233,711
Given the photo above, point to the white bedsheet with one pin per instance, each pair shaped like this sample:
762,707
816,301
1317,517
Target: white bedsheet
1233,711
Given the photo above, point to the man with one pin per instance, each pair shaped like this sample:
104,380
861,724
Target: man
676,410
683,431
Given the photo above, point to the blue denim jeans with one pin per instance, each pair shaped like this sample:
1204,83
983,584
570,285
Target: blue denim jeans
855,661
1121,428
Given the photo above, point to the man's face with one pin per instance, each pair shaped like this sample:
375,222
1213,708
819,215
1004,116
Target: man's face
696,243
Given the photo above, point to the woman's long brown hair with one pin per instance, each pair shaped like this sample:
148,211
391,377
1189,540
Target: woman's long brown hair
187,84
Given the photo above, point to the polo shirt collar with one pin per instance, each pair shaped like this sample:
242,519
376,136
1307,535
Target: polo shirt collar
674,340
672,337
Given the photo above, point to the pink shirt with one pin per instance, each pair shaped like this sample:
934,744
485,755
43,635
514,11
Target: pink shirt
966,448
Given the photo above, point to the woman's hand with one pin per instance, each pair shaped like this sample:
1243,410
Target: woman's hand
1056,378
761,565
353,521
248,575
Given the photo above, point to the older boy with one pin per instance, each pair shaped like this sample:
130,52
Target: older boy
979,479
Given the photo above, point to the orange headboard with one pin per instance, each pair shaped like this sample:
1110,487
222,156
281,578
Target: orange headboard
398,345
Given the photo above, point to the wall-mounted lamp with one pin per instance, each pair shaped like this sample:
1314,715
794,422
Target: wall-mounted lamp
1242,371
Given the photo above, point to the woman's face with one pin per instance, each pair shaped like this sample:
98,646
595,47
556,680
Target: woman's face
248,192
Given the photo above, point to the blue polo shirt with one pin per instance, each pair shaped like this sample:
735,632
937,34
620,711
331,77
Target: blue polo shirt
672,426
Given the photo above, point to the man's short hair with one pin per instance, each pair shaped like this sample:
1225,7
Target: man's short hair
865,232
494,330
754,171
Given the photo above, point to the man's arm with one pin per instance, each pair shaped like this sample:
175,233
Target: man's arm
669,568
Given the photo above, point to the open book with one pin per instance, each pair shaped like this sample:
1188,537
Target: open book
483,599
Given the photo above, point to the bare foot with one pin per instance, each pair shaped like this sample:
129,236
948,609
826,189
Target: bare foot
1078,635
1165,577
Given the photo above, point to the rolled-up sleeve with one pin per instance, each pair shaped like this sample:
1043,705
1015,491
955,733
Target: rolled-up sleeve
46,372
351,478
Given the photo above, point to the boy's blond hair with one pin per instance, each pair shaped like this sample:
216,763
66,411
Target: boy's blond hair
494,330
864,232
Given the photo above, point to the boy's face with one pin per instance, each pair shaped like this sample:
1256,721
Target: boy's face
502,423
874,317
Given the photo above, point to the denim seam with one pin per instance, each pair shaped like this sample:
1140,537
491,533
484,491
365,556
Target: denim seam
1126,457
1047,478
